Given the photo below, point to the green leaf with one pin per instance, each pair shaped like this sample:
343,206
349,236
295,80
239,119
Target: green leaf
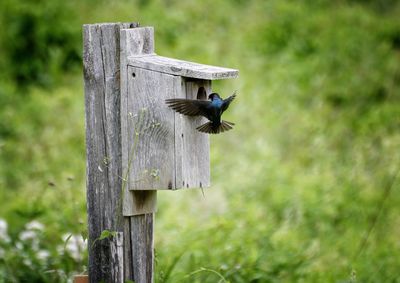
107,234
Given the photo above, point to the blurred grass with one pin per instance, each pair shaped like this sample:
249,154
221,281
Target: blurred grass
297,184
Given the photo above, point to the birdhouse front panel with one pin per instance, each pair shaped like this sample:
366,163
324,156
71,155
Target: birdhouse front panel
165,151
151,130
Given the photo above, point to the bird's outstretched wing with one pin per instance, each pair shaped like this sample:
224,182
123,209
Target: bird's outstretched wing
188,107
228,101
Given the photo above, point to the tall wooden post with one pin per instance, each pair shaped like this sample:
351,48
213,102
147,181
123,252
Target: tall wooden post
101,62
105,177
135,144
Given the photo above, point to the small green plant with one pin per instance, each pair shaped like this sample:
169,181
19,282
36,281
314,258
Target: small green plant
105,234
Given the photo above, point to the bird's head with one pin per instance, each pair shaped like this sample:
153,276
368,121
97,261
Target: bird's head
213,95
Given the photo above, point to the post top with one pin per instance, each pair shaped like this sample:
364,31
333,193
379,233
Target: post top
182,68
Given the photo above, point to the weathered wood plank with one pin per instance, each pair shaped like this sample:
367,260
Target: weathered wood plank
195,145
137,41
142,227
133,42
103,144
151,130
179,174
128,262
140,205
142,202
117,257
181,68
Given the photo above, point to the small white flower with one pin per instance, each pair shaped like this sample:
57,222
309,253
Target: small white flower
74,246
3,231
43,255
27,261
3,226
34,225
31,237
19,246
27,235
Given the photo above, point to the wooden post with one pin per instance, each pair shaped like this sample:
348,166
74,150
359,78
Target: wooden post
101,62
130,155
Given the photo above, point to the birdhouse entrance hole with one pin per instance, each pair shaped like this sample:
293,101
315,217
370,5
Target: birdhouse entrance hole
201,94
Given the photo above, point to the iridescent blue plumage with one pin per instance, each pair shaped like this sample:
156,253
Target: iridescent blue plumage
217,102
212,110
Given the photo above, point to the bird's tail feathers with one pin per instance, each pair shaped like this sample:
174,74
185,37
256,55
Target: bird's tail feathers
210,128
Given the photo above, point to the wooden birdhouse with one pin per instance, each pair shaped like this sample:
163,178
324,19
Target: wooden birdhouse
136,144
161,149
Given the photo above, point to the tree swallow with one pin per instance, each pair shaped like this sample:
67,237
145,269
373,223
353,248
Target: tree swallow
211,109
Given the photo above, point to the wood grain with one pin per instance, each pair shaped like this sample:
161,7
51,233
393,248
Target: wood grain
117,257
195,145
104,155
142,227
181,68
137,41
138,205
103,145
165,149
151,130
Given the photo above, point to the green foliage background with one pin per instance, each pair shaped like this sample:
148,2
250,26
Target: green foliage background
304,188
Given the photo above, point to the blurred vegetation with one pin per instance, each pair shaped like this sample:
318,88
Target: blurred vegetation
308,192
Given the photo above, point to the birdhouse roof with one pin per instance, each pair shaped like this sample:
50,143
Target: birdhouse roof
182,68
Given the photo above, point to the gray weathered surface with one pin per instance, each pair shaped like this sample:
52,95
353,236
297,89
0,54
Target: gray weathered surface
151,129
141,202
182,68
194,146
109,260
138,41
139,205
165,150
103,144
142,227
117,257
128,262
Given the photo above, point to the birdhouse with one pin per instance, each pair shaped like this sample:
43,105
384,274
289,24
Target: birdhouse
161,149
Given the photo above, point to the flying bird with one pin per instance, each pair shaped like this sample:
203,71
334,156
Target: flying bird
212,109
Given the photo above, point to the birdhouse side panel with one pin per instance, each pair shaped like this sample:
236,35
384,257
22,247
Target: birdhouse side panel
150,130
193,145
